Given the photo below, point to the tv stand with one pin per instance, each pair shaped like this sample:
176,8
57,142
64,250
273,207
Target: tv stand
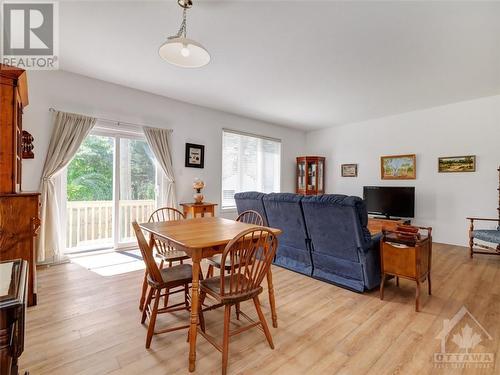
398,219
376,224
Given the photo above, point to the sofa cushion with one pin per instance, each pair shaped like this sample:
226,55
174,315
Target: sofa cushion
488,235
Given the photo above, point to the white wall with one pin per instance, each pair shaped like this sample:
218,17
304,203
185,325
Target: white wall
443,200
194,124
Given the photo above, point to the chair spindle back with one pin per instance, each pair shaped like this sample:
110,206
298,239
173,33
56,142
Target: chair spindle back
251,217
250,254
164,214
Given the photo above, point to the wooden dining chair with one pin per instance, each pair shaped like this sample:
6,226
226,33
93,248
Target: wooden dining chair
166,253
249,256
162,280
248,217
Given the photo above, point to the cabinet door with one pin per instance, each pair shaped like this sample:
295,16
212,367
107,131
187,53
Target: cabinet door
312,177
7,137
18,134
321,176
301,175
18,236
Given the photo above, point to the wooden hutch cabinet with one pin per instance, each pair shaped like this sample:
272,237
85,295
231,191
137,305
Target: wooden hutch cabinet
19,211
310,175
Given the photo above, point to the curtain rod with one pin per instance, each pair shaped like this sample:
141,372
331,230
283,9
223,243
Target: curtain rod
51,109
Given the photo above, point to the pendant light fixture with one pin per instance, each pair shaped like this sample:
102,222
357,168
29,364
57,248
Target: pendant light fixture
181,51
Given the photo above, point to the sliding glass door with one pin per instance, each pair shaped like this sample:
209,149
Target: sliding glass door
137,186
110,182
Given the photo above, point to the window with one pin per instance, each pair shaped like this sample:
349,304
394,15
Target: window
249,163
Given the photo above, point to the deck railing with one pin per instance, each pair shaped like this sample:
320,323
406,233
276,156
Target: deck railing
90,223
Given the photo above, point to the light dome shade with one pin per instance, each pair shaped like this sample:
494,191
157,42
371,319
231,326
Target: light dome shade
172,52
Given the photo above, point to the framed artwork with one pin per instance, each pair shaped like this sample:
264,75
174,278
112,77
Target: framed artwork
398,167
349,170
195,155
457,164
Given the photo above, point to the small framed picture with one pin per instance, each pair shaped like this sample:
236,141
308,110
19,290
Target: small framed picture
349,170
398,167
450,164
195,155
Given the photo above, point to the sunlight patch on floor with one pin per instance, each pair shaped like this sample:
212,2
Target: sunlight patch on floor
112,263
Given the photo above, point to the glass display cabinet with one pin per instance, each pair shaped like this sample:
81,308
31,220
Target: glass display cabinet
310,175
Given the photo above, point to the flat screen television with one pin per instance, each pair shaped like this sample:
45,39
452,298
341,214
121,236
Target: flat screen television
390,201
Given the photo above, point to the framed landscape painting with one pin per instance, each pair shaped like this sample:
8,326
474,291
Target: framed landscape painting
398,167
457,164
349,170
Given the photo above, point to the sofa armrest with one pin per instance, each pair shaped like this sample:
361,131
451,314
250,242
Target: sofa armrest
374,244
370,260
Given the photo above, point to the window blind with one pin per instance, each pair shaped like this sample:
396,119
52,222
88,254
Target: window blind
249,163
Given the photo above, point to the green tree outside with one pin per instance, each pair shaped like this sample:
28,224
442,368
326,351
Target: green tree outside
90,173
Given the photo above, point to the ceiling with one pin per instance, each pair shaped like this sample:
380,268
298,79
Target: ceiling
301,64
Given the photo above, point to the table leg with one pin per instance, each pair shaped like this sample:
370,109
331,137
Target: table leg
195,293
272,302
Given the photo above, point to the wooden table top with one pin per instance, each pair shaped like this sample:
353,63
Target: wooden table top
199,232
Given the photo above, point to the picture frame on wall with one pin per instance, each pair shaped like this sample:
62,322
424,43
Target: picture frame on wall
195,156
454,164
349,170
398,167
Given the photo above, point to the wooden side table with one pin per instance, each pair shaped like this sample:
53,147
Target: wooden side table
201,209
406,253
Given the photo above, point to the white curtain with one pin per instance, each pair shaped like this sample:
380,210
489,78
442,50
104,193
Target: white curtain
159,142
69,132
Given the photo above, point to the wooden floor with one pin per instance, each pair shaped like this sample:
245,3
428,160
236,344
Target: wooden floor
89,324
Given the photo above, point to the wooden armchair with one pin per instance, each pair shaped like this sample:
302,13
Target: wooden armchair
485,235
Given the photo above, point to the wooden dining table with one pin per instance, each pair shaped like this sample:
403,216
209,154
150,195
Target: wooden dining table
202,238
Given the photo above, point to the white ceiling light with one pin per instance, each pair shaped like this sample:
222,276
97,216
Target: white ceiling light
181,51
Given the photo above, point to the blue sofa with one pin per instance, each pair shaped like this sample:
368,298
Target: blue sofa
325,236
